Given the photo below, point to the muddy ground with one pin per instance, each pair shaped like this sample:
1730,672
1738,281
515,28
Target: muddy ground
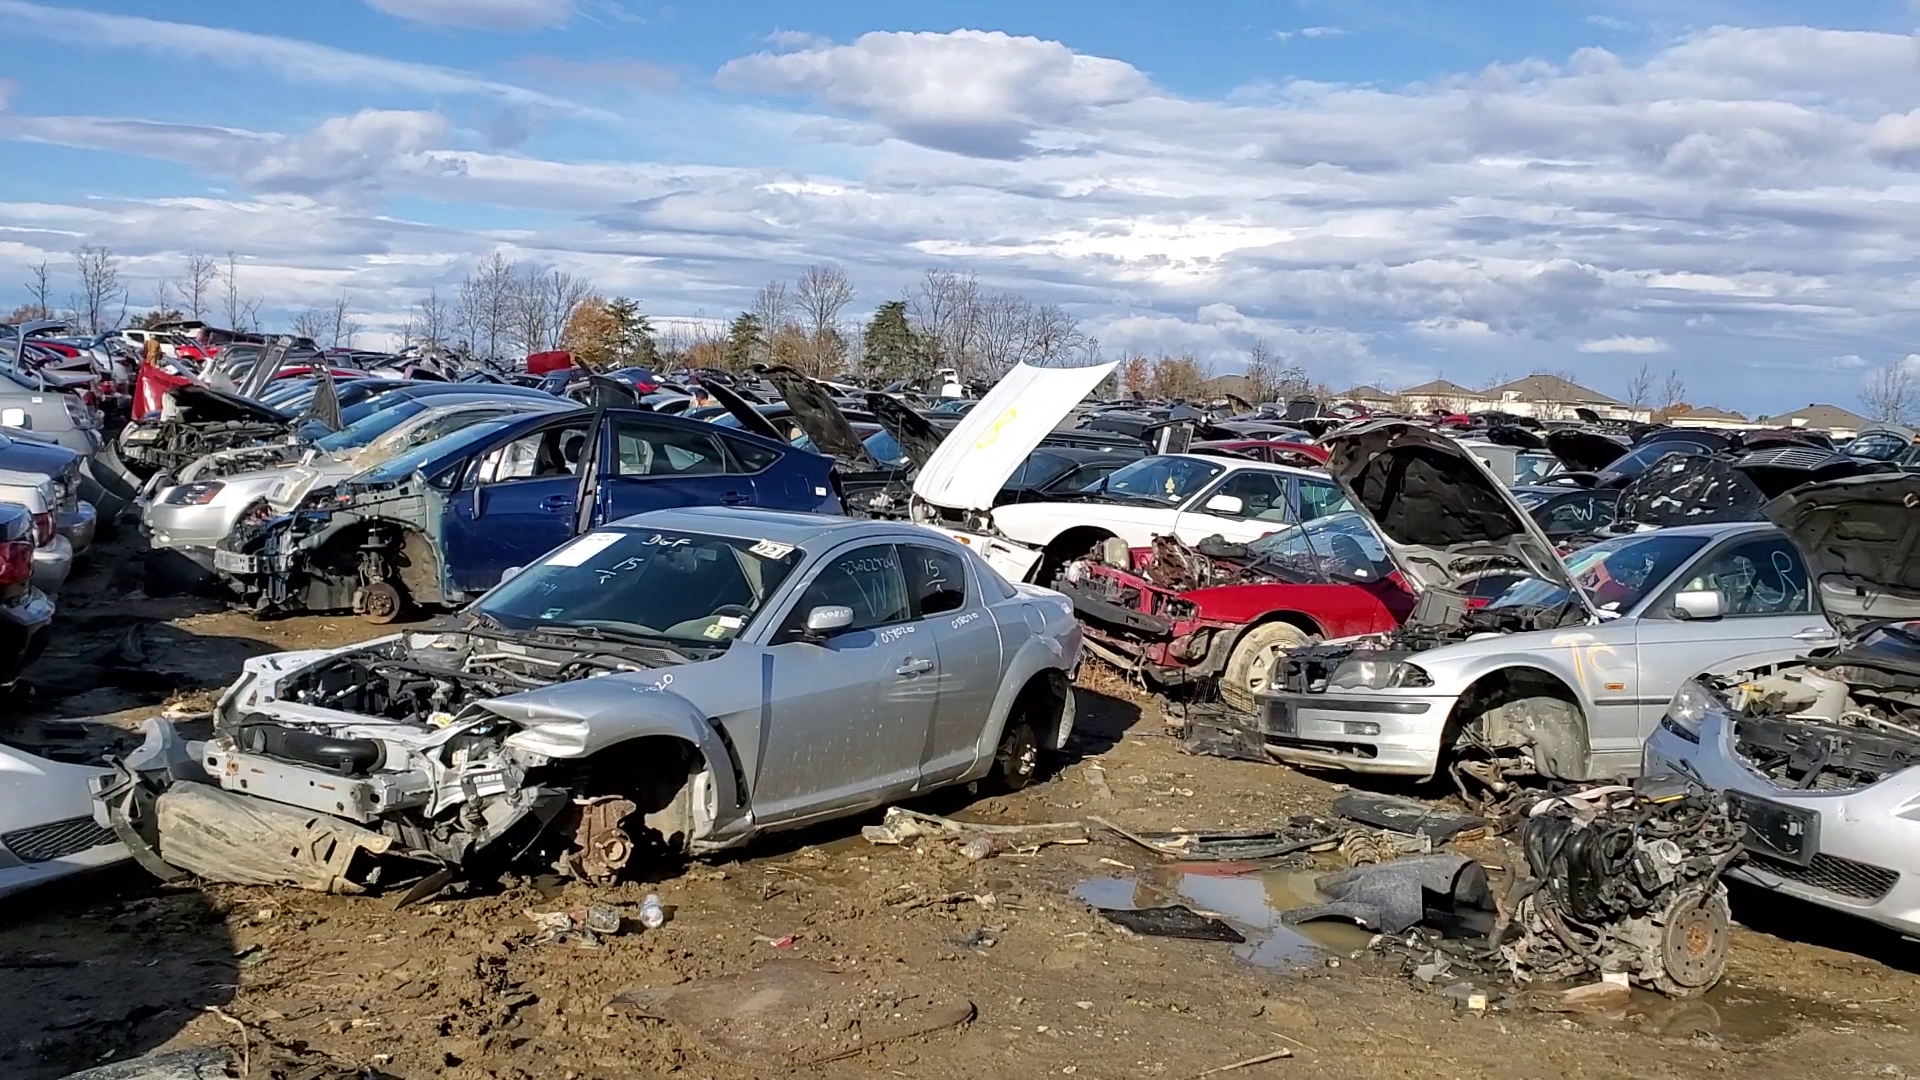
880,941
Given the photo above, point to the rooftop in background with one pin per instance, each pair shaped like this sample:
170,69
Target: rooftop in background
1820,417
1550,388
1442,388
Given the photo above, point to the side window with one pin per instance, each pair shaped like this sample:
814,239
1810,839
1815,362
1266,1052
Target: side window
751,457
1761,577
554,451
1263,495
1319,498
866,579
1084,477
643,449
938,580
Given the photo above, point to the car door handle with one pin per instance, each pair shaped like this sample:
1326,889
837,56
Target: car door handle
1815,633
914,667
735,498
556,502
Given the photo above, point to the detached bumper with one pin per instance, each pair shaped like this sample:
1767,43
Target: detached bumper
1381,734
78,526
24,627
1852,851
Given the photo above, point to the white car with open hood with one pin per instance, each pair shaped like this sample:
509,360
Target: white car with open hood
1514,662
1190,496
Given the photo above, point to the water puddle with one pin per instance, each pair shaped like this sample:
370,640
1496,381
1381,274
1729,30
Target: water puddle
1249,898
1729,1014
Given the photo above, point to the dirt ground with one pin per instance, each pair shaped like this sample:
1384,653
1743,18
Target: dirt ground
302,985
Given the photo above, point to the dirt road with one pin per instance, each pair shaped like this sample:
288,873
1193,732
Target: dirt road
867,941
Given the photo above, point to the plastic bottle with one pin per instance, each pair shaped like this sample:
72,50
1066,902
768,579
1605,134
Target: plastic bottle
652,915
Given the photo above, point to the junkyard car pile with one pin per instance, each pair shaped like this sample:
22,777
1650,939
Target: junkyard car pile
669,615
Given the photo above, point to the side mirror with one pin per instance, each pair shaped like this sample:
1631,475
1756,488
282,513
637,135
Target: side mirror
16,418
1699,604
827,619
510,573
1230,505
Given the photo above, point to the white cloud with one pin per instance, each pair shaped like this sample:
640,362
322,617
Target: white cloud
970,92
287,58
1309,32
480,14
797,39
1636,346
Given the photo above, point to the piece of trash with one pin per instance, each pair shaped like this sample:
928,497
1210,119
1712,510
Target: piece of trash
1174,920
1619,978
581,928
652,915
1216,731
977,849
1397,895
1116,862
1300,834
792,1012
1597,997
784,941
1262,1059
1396,814
251,956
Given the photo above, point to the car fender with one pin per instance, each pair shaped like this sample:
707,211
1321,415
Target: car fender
1454,678
1056,648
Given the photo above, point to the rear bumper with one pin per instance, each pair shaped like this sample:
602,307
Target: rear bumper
24,627
52,564
1388,735
78,526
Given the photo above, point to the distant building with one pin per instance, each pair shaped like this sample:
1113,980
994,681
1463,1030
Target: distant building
1371,396
1441,396
1550,397
1832,419
1709,417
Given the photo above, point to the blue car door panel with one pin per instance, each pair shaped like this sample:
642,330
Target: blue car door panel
517,501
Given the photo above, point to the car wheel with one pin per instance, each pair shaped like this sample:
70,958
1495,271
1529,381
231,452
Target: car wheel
1254,660
1017,763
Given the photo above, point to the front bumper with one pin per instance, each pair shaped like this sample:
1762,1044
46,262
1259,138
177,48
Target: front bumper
47,829
169,525
1382,734
1861,852
24,627
52,564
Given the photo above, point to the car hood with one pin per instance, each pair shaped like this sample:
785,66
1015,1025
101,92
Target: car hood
1585,451
49,458
1438,510
1856,536
817,415
974,461
751,419
204,404
908,428
1689,489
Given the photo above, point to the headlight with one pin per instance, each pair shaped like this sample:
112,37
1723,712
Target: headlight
1689,708
1377,675
199,493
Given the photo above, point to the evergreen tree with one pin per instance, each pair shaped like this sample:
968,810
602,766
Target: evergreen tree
745,341
892,349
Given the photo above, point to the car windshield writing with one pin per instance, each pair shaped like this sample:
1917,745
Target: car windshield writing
1615,574
1161,479
686,587
371,426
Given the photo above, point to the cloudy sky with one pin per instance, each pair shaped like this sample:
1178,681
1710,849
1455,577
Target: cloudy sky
1385,190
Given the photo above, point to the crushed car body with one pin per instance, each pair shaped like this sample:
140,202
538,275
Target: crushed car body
682,680
1821,751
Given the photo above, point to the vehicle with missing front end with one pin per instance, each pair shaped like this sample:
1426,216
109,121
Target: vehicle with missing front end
1822,752
1514,662
681,681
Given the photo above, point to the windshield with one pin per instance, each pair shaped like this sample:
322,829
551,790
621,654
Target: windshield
1161,479
1340,545
1615,574
1532,467
1642,457
1531,500
684,587
456,445
886,450
371,426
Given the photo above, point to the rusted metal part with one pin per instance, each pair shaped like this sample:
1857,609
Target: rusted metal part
602,847
221,836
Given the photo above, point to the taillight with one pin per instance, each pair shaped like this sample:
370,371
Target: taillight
42,530
16,562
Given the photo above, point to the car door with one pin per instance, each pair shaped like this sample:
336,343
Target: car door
950,608
1264,507
1770,608
848,712
516,502
653,464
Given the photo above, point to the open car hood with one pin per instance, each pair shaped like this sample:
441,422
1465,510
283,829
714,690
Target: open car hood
1585,451
751,419
908,428
1689,489
1440,512
1857,538
203,404
817,415
973,462
1779,469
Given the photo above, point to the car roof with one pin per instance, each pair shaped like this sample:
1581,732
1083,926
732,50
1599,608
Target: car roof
751,523
1244,464
1717,529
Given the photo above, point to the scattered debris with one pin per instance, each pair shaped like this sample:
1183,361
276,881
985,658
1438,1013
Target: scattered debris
1300,834
1365,847
1409,817
193,1063
1261,1059
977,841
1213,730
581,928
1392,897
1174,921
791,1013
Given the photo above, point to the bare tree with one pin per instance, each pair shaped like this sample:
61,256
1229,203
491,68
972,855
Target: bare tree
197,284
1640,388
101,289
1672,391
821,294
944,311
243,312
483,313
311,324
37,288
342,327
541,302
1891,394
773,310
430,322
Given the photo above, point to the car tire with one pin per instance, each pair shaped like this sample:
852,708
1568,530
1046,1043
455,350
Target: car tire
1016,764
1251,664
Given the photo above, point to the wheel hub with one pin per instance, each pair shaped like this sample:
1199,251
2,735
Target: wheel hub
1694,947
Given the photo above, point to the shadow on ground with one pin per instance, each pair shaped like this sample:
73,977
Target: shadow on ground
1792,919
116,980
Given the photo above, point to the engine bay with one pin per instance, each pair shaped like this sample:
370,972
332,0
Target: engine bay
1816,728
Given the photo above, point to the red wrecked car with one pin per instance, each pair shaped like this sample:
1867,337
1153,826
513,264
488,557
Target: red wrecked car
1180,614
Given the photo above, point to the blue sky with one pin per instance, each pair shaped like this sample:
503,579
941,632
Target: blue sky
1383,192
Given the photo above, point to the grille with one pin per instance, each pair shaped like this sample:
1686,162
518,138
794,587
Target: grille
1861,881
55,840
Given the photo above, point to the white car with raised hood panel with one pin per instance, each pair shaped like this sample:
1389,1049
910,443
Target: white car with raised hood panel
1190,496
